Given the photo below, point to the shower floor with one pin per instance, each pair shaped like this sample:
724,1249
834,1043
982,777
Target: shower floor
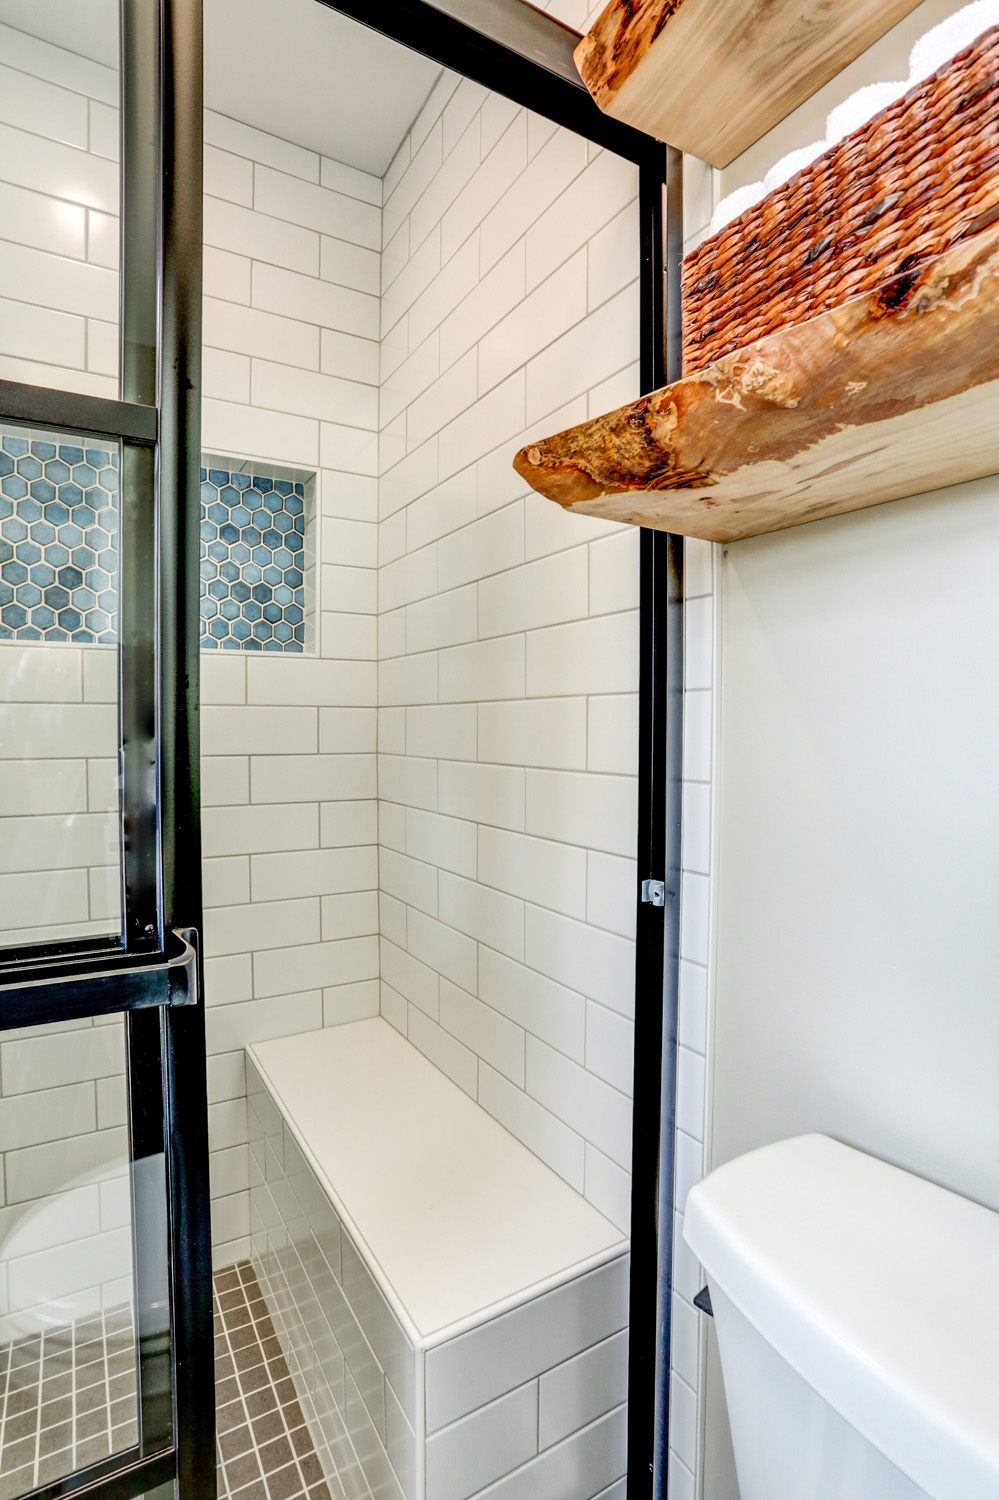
68,1399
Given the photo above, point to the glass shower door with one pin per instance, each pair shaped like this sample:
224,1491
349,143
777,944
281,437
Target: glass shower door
106,1362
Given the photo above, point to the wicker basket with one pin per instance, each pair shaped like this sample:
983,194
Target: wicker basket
913,181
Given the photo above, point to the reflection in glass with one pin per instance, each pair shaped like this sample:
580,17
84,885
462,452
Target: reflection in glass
60,865
68,1357
59,194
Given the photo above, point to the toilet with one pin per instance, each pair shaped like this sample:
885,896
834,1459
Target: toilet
857,1312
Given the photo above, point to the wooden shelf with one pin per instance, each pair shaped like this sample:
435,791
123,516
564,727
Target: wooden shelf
892,393
712,76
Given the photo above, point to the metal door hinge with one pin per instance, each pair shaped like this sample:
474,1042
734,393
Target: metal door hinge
654,892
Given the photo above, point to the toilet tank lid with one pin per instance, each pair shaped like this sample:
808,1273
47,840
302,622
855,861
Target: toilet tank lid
880,1289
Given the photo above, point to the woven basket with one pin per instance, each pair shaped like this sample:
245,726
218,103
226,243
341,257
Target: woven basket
912,182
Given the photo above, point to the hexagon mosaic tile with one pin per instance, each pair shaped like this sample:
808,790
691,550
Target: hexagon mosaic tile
252,562
59,549
58,540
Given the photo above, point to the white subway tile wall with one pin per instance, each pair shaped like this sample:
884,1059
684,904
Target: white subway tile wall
58,218
508,663
289,771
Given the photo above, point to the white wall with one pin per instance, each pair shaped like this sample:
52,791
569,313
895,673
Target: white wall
292,257
508,660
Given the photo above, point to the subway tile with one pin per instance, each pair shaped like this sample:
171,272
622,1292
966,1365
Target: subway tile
415,981
347,730
353,914
312,300
442,400
67,172
614,573
499,169
611,893
489,298
58,283
232,1027
226,881
344,1003
34,218
351,181
698,644
407,680
442,290
540,1131
407,779
546,873
483,670
490,1035
580,1390
548,733
591,656
259,731
312,778
223,679
451,953
552,168
599,812
541,593
259,145
261,828
266,924
316,965
392,731
697,736
603,342
594,197
490,916
265,434
597,964
486,1445
444,731
297,202
613,255
57,843
695,914
486,546
32,673
228,176
28,332
228,980
350,265
280,387
225,780
347,823
447,843
50,1114
47,786
288,680
610,1047
583,1101
690,1092
445,619
349,448
541,1006
608,1187
262,334
226,377
444,1050
350,590
612,734
348,355
409,880
34,1063
460,166
38,1171
483,794
495,417
312,872
693,1006
466,1372
228,226
541,318
697,827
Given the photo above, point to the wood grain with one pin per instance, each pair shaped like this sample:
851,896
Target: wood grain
892,393
712,76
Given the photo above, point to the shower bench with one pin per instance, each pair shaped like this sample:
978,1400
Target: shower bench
454,1315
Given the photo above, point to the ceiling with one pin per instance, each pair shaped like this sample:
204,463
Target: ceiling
294,68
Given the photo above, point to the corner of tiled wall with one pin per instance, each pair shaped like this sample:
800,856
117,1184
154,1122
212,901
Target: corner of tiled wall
292,281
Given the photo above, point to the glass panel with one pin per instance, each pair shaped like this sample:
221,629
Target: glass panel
68,1348
59,194
60,865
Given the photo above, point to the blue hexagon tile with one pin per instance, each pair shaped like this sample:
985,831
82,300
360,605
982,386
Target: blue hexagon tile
252,562
58,540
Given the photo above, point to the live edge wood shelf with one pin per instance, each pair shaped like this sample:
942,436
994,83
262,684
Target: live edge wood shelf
890,394
712,76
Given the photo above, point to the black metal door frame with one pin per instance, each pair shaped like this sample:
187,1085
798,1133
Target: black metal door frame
513,49
151,974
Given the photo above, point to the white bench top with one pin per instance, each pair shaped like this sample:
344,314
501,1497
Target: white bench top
455,1216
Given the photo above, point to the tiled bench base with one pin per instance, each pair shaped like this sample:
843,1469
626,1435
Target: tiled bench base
527,1404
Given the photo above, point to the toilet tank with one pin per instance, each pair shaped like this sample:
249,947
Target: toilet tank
880,1290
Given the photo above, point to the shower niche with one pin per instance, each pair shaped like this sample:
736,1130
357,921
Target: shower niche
258,557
